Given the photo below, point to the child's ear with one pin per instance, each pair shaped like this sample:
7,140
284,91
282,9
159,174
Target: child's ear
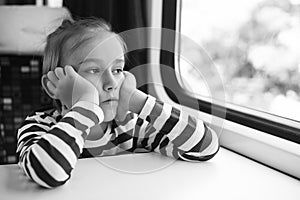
44,81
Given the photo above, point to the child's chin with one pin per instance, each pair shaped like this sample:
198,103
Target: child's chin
110,111
109,116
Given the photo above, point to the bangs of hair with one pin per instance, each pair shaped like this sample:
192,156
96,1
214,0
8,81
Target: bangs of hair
82,30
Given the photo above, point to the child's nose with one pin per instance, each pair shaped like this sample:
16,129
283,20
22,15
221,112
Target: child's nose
109,82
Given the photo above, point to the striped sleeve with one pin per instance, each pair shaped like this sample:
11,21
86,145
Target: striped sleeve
175,133
48,150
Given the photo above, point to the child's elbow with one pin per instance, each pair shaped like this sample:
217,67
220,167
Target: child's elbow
53,185
55,181
47,180
205,149
211,154
201,156
45,176
213,148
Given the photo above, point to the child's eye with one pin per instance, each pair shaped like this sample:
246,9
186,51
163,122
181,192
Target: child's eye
93,71
118,71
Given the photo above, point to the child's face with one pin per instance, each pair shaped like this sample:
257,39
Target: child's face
101,61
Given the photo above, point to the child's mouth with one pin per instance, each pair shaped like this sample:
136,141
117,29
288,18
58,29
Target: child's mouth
108,101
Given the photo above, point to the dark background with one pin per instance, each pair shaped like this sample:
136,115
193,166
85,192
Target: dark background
20,90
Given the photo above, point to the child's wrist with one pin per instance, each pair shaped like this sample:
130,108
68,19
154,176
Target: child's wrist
90,98
91,106
137,101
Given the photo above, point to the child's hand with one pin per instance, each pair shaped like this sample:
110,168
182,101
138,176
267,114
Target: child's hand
69,87
127,89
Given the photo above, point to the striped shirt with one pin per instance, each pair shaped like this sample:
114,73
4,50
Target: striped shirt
50,144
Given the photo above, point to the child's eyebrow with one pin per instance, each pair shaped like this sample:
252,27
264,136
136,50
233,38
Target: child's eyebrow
100,61
119,61
95,60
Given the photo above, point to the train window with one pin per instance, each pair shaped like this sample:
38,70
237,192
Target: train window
217,69
253,45
215,66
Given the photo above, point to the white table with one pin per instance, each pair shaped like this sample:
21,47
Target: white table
151,176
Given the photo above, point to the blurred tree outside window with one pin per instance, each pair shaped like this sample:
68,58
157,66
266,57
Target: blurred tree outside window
254,45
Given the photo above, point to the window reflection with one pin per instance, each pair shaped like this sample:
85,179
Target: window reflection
255,46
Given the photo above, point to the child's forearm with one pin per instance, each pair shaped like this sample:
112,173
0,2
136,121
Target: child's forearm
174,132
48,150
137,101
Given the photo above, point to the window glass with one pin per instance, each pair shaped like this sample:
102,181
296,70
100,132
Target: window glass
253,44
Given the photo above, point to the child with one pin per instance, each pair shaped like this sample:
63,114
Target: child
98,110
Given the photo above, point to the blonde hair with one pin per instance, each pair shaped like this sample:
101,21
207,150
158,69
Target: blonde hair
82,30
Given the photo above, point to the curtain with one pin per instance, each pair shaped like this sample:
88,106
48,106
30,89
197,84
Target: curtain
19,2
